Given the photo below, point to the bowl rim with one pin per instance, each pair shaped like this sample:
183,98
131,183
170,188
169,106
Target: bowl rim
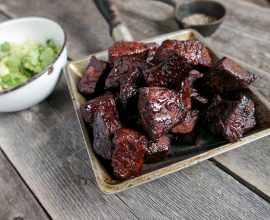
218,21
50,65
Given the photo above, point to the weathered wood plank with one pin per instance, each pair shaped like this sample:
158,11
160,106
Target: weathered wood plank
166,194
15,198
263,3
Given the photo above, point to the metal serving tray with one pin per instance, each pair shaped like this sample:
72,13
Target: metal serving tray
179,156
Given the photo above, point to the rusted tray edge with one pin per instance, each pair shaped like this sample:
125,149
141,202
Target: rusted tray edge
110,188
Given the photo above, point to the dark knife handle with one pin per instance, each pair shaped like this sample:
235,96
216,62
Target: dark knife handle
111,14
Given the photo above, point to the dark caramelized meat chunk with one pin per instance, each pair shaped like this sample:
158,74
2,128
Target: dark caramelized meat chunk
127,73
194,75
160,109
170,73
192,138
127,48
94,76
129,114
231,119
152,48
128,153
156,77
104,126
102,115
194,51
185,93
122,67
105,101
129,85
176,68
198,101
227,76
157,151
188,124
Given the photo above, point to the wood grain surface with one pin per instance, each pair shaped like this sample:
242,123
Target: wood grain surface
45,144
15,198
263,3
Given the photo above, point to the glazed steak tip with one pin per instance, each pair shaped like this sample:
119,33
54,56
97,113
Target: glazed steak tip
160,109
231,119
194,51
127,48
227,76
157,151
128,153
94,76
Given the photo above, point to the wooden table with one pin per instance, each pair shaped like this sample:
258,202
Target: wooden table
44,168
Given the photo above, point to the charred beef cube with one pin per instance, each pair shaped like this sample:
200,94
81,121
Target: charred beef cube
227,76
127,48
187,130
192,138
194,51
151,48
129,85
160,109
156,77
193,77
157,151
128,74
94,76
198,101
231,119
123,67
104,126
105,101
170,73
188,124
128,153
176,68
185,93
129,114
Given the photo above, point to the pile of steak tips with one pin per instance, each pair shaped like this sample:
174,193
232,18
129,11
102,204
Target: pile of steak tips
148,95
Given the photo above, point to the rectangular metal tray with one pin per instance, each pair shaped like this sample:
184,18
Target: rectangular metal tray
180,156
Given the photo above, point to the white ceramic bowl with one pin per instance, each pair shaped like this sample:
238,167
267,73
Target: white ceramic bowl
41,85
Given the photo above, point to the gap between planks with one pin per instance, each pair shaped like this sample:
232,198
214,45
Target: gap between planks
21,180
241,180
